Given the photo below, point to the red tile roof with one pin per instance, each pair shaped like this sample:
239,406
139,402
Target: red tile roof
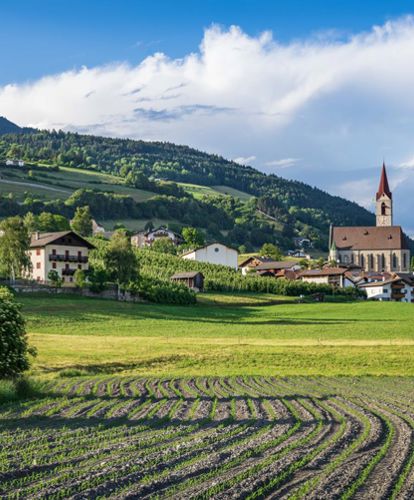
369,238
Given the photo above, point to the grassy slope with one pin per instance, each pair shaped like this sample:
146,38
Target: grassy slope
216,337
65,182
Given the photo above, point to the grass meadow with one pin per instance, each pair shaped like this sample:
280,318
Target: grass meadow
223,335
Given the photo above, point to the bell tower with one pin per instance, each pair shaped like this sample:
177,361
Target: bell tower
384,201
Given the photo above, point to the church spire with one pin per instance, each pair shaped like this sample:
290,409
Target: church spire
383,188
384,201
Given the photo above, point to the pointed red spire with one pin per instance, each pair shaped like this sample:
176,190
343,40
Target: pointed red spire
383,185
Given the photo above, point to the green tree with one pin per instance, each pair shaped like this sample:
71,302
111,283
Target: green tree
79,278
82,221
271,251
164,245
119,259
15,350
14,246
30,222
193,237
55,278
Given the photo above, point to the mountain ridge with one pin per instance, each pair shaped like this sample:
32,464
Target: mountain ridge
301,209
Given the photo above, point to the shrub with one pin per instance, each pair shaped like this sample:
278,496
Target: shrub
14,348
162,292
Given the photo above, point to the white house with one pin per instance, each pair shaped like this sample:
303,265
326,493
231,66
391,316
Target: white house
147,238
395,289
63,251
215,253
17,163
335,276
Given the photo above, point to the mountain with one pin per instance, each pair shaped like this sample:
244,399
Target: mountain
8,127
280,210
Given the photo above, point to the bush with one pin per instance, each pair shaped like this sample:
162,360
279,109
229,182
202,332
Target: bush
162,292
20,388
14,348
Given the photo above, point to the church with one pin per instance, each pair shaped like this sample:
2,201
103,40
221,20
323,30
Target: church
380,248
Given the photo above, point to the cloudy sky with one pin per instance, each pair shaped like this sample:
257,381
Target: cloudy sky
320,98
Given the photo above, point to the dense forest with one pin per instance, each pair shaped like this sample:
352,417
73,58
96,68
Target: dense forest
299,209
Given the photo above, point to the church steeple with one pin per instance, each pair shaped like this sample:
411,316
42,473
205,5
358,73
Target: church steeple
384,200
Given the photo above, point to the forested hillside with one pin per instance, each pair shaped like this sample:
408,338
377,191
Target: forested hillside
298,209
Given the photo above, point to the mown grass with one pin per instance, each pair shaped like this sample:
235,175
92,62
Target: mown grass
222,335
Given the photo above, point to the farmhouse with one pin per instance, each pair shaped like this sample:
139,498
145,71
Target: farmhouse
215,253
147,238
396,289
252,262
338,277
63,251
15,163
191,279
381,248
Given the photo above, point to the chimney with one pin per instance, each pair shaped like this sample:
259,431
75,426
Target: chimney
36,235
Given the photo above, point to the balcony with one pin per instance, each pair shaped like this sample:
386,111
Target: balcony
68,272
82,259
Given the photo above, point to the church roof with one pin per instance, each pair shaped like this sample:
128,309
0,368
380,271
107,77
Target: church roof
369,238
383,187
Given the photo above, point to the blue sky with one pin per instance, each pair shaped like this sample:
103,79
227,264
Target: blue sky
320,91
49,36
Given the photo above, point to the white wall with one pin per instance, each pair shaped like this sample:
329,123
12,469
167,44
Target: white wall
215,254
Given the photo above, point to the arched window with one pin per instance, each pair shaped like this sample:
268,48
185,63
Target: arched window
371,261
362,261
382,262
383,208
394,261
405,260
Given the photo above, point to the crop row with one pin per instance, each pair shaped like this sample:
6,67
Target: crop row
239,437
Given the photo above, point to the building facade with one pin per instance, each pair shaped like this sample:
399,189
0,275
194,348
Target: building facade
216,253
64,252
380,248
147,238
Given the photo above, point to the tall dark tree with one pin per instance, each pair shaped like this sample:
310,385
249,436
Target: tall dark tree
82,221
14,246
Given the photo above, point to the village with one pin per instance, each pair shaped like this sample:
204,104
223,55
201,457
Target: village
375,260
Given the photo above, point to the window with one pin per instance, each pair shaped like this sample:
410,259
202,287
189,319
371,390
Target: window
37,251
66,254
66,266
79,253
404,260
53,251
362,261
38,265
217,249
371,261
79,266
394,261
383,209
385,291
54,265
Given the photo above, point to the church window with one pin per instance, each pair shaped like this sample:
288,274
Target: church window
394,261
404,260
371,261
362,261
383,209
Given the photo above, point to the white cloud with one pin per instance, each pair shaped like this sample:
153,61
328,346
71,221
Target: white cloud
244,160
282,163
339,104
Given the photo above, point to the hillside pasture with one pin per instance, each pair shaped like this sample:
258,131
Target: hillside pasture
51,184
221,337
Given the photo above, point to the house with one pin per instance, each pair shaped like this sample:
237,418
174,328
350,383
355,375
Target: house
63,251
191,279
397,289
299,254
215,253
301,242
380,248
16,163
338,277
147,238
276,268
252,262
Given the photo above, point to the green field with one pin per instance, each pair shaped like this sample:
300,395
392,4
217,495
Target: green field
222,335
51,185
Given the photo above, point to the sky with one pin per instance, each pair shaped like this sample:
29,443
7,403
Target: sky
319,91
